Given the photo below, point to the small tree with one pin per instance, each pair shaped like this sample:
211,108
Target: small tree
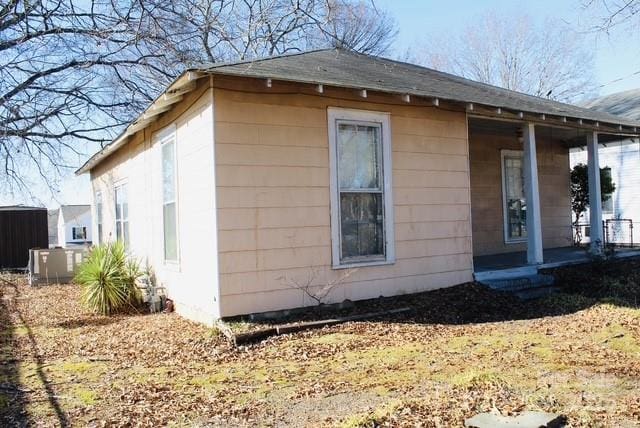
580,189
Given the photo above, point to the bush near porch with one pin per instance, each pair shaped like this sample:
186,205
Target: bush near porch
464,350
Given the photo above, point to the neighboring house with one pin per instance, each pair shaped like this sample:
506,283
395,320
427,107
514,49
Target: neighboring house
622,160
74,225
245,183
52,221
21,229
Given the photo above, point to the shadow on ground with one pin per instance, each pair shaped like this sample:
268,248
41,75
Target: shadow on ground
13,395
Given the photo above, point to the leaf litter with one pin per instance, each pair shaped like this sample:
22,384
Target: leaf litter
464,350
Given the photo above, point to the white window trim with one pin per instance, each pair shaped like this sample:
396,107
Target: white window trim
162,137
120,183
99,215
383,119
505,226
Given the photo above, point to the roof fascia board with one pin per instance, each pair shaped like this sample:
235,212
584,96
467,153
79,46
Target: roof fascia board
182,85
553,121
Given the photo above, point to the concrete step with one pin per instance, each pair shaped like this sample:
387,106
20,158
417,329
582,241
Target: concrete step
519,283
525,286
499,274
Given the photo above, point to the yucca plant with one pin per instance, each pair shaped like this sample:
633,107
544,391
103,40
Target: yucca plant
108,279
133,272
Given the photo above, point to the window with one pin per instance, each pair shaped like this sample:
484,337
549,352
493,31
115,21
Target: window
362,207
514,200
79,233
122,214
169,208
607,206
99,215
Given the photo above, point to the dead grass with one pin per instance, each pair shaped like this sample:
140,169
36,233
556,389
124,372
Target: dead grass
59,365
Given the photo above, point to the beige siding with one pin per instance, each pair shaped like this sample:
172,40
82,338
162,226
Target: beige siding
486,191
272,170
192,282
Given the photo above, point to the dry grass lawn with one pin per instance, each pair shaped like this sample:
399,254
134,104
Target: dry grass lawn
577,353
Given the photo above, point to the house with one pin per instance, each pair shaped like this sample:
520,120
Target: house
21,229
52,222
622,160
74,225
248,185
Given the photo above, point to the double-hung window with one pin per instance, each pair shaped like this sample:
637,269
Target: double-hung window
514,200
167,141
99,216
122,214
361,202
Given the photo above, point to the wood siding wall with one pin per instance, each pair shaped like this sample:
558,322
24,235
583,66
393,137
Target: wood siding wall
272,168
192,281
20,231
486,190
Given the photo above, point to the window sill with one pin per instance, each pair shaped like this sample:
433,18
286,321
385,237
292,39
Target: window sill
516,241
172,265
353,265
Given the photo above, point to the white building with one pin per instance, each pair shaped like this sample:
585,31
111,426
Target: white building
622,160
74,225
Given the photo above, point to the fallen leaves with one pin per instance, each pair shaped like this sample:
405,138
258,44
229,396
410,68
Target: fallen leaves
464,350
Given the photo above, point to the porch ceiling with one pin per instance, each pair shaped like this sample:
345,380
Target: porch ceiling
569,136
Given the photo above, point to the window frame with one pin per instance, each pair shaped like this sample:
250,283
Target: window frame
121,184
84,233
505,221
363,117
609,212
99,216
162,137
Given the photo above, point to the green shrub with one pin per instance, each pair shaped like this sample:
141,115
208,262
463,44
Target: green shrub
108,279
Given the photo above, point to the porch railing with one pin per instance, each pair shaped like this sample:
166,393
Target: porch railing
616,232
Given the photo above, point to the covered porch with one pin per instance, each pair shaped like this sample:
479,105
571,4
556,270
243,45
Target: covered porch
553,257
520,190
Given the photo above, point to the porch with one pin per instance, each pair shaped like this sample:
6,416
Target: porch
520,195
553,257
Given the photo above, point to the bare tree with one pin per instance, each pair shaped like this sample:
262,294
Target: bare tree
357,26
71,74
545,60
613,13
199,31
74,72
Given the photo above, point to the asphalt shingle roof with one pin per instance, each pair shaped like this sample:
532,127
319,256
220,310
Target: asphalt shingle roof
342,68
347,69
624,104
70,212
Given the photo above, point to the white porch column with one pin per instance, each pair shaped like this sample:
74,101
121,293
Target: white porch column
595,199
532,193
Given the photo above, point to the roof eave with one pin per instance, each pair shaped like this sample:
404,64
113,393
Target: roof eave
184,83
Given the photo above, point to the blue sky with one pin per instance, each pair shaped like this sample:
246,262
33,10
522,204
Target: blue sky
617,55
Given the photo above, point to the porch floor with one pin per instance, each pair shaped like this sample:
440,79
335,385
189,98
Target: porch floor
553,257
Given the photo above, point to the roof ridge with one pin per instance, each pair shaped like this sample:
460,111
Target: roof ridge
266,58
